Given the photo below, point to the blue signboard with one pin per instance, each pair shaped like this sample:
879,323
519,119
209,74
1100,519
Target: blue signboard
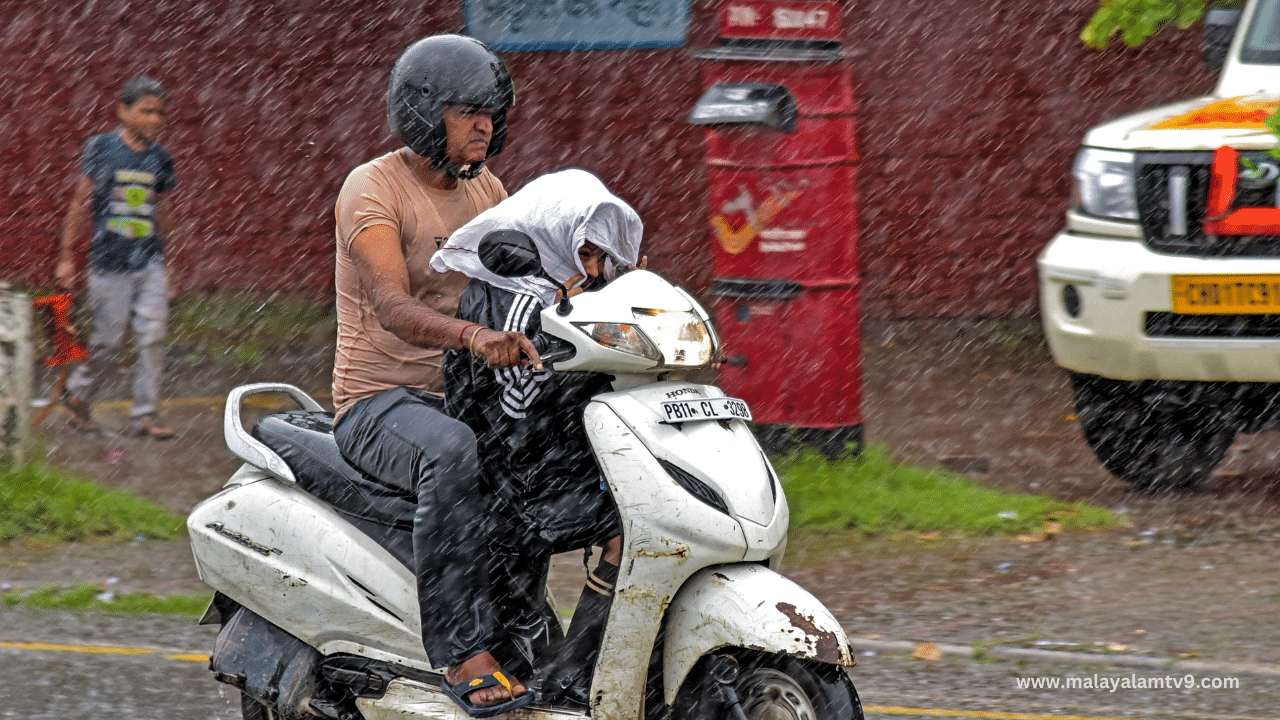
578,24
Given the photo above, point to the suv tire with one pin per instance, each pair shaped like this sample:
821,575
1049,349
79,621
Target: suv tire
1149,437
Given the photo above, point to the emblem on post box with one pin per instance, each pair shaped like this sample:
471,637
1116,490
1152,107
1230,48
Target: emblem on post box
756,216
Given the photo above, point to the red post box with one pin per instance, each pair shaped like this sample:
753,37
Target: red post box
782,165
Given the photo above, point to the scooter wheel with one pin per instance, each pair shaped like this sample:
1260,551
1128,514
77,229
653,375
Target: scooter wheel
772,687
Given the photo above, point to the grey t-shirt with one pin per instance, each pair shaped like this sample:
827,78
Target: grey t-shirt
126,188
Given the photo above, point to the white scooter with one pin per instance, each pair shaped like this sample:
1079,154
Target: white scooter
319,610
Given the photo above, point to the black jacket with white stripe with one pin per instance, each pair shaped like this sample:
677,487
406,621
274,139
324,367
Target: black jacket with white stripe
528,424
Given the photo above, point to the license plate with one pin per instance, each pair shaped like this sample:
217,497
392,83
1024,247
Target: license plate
1251,294
722,408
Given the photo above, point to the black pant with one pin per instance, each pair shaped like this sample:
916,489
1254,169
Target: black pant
402,438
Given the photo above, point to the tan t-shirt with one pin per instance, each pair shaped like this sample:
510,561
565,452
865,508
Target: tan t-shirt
388,191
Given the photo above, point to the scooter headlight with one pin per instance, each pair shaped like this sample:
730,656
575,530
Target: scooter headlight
683,337
622,337
670,338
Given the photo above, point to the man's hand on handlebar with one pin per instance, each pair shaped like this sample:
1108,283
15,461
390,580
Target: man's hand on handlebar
505,349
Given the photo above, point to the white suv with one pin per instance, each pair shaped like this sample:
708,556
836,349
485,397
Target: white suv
1172,334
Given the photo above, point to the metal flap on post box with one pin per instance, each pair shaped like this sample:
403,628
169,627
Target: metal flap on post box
746,104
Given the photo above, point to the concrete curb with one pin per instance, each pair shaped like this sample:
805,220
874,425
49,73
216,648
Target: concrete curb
1059,657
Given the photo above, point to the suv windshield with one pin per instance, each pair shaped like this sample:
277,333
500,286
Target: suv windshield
1262,42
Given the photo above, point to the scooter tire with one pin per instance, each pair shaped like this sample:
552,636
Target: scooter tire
770,686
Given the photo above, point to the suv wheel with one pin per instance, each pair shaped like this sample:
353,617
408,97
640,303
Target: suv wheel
1151,438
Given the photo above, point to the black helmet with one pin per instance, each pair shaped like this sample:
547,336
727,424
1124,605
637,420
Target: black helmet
447,70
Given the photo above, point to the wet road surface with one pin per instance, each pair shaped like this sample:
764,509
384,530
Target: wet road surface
95,669
138,666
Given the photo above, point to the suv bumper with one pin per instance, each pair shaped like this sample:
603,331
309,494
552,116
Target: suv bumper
1118,281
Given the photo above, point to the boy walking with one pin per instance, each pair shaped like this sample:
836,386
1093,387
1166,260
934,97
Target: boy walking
124,185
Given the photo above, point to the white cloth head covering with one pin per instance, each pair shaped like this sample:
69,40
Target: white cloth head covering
560,211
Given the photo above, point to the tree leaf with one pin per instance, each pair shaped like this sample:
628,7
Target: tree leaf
1100,28
1273,124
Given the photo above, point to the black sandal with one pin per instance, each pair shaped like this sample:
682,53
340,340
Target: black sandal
459,691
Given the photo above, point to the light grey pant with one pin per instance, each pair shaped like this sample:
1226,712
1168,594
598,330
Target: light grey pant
119,301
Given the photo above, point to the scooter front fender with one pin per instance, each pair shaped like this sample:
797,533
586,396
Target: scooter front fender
748,606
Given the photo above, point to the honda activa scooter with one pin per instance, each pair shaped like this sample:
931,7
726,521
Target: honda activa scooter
318,606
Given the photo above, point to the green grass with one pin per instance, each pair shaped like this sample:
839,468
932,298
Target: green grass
875,495
244,330
41,504
91,597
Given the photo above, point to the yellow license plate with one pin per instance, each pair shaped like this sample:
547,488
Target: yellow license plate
1253,294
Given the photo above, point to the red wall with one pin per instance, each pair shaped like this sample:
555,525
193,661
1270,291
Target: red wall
970,113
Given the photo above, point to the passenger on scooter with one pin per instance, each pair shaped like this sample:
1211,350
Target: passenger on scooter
533,445
447,102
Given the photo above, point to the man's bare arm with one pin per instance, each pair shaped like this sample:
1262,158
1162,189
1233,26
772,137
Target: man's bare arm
166,223
385,277
73,227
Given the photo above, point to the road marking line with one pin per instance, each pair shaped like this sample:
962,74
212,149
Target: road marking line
982,714
188,657
105,650
75,648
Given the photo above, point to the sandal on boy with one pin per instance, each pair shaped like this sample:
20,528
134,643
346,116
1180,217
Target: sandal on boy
148,427
459,691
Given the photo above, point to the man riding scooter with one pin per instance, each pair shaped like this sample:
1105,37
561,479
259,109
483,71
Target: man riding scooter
447,102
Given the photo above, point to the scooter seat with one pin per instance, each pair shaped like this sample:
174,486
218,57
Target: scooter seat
304,440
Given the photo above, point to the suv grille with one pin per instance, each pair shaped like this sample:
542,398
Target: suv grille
1167,324
1172,189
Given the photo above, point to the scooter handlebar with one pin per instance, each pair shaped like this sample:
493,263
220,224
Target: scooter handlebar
552,349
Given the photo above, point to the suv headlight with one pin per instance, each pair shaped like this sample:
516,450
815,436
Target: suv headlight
1104,184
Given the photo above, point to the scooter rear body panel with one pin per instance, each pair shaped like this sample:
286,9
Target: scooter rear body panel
296,562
